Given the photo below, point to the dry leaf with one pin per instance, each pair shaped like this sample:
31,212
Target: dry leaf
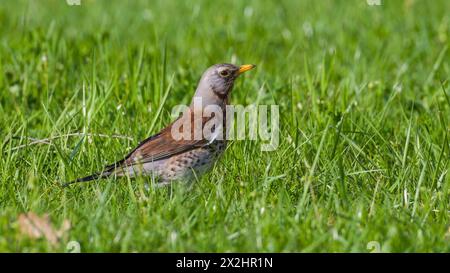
36,227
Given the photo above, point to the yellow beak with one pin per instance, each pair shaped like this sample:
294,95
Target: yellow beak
246,67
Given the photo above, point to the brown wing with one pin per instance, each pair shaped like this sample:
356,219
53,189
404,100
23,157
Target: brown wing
162,145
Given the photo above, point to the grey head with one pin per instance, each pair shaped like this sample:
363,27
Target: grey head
217,82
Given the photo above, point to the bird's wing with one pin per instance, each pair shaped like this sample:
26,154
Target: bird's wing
161,146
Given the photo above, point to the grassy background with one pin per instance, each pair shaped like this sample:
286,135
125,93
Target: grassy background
364,103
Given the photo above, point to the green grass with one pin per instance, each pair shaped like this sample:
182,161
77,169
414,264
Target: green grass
364,104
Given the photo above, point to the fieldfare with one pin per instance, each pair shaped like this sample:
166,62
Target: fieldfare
183,148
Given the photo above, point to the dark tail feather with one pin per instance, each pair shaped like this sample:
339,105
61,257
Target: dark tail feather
88,178
109,170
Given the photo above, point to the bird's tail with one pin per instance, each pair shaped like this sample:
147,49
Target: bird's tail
88,178
107,171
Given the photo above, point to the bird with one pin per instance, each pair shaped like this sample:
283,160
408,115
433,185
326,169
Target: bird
165,156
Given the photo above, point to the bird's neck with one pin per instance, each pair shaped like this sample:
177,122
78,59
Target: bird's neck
203,101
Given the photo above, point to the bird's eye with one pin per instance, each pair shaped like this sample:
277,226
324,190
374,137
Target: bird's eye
224,73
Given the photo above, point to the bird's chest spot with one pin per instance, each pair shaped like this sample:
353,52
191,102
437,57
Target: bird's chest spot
199,160
216,147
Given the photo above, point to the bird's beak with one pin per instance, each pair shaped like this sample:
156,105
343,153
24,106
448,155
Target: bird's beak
245,67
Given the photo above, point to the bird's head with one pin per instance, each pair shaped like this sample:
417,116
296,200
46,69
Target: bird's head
217,82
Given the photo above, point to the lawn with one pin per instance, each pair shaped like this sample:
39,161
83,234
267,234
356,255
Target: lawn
364,98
